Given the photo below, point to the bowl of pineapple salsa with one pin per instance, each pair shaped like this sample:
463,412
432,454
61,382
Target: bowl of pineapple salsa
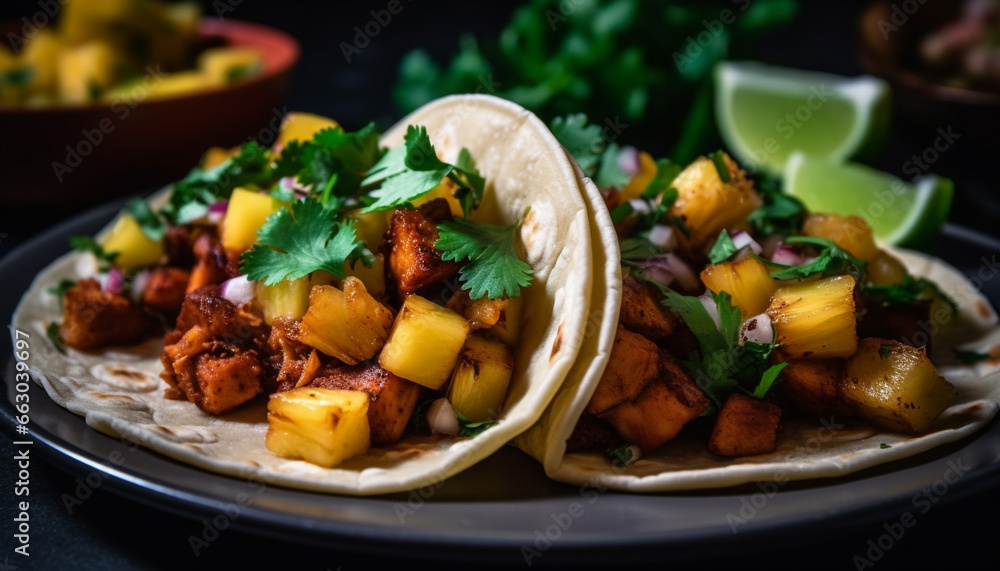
109,97
346,311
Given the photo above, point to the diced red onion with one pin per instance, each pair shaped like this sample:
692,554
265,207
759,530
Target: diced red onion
640,207
114,281
769,244
238,290
662,236
786,256
742,239
657,270
441,418
683,272
139,283
758,329
713,310
216,211
628,161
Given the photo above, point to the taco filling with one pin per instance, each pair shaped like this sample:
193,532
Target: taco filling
740,308
351,284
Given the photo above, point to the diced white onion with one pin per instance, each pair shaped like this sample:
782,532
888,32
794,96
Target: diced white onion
238,290
640,207
657,270
757,329
713,310
139,283
441,418
683,272
628,161
662,236
742,239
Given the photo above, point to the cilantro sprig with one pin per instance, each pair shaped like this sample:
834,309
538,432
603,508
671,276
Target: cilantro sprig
832,260
493,270
294,243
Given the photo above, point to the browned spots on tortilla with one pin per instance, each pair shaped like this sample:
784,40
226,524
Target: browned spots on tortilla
973,408
984,309
125,373
166,430
103,396
529,229
557,343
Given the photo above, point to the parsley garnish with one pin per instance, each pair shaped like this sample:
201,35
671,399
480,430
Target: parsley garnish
832,260
88,244
723,249
494,270
292,244
412,170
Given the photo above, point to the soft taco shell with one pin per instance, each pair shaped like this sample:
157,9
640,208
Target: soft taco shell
120,393
819,448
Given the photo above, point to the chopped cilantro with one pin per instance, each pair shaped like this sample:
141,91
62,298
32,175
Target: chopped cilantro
621,212
88,244
883,445
666,172
341,154
681,225
467,427
908,292
292,244
723,249
637,248
494,270
884,350
970,357
152,226
767,379
192,196
470,194
52,332
59,290
718,159
780,214
623,454
832,260
580,139
610,174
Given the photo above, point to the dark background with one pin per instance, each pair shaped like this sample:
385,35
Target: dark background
111,532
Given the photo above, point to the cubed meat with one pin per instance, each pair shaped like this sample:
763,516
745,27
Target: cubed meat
165,290
633,363
413,261
93,318
745,426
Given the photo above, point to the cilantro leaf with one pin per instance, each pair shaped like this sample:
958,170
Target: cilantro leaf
718,159
666,172
723,249
780,214
623,454
471,183
346,155
152,226
494,270
88,244
59,290
970,357
292,244
406,172
610,174
52,332
767,379
580,139
832,260
467,427
637,248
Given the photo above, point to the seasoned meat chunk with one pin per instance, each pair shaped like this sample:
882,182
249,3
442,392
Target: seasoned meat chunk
633,363
413,262
93,318
745,426
642,313
165,290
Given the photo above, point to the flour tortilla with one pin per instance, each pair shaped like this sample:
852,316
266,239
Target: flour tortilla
813,448
120,393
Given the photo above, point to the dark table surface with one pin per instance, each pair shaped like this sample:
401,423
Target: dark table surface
110,531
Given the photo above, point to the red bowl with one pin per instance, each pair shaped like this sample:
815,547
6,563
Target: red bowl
75,155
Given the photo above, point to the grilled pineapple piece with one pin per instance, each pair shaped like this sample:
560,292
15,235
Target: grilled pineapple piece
350,325
479,381
373,277
134,249
851,233
287,298
482,313
370,227
895,386
815,319
747,281
245,215
321,426
298,126
424,343
509,324
706,205
639,182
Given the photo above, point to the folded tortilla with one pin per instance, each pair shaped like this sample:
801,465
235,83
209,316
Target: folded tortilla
807,448
120,393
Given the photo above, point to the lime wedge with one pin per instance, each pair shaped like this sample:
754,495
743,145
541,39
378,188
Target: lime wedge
901,213
765,113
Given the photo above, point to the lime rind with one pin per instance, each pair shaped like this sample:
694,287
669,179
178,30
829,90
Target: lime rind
866,96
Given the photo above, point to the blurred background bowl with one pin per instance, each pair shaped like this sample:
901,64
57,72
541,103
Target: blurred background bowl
70,155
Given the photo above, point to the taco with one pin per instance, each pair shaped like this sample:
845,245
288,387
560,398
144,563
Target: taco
745,339
327,325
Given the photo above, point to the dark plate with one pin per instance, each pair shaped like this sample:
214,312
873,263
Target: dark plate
504,510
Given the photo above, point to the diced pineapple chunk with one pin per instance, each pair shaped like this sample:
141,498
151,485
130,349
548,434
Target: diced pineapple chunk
446,190
639,182
479,382
509,325
288,298
370,227
373,277
179,83
86,71
706,205
298,126
895,386
245,215
424,343
215,156
747,281
321,426
223,65
815,319
350,325
851,233
134,249
482,313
